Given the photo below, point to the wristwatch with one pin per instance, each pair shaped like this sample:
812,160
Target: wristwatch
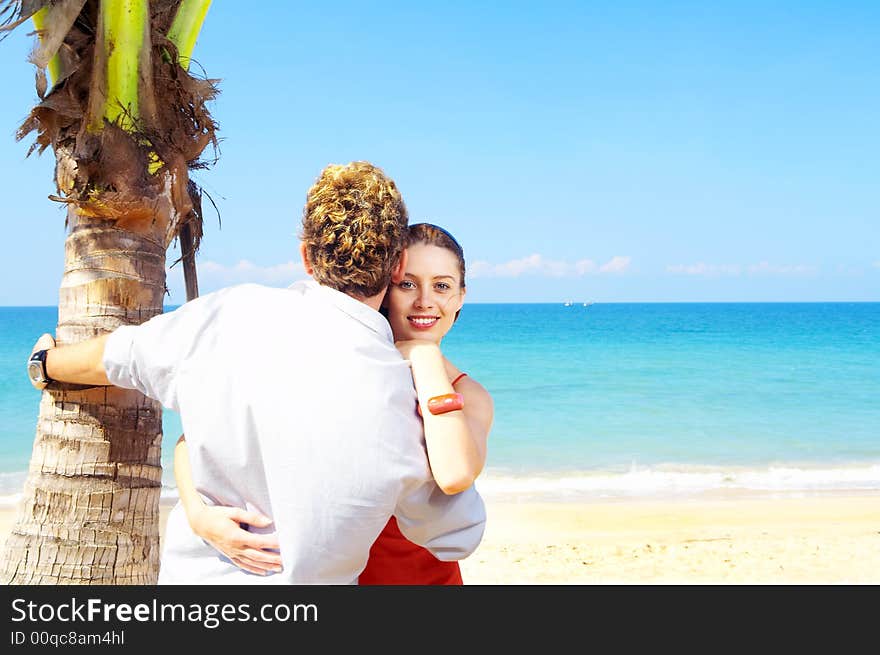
36,368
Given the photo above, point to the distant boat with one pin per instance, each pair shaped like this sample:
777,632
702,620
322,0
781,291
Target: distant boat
587,304
567,304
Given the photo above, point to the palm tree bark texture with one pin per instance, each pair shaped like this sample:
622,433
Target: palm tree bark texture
126,122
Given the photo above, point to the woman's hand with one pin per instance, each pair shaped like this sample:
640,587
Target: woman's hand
407,346
220,526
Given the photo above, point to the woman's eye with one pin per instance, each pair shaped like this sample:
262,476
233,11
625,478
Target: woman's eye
406,284
442,286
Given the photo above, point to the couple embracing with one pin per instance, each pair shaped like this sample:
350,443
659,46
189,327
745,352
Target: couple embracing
327,438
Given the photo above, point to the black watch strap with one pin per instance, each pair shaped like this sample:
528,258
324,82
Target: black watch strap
40,356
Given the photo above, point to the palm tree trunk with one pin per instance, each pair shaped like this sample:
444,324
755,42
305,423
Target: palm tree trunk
90,507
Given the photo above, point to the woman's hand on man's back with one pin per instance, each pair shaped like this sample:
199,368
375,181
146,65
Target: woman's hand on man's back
221,527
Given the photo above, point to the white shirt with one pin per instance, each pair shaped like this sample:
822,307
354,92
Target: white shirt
296,404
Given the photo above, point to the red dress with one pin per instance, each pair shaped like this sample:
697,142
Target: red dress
395,560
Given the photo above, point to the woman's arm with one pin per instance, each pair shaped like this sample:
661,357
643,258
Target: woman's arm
456,441
220,526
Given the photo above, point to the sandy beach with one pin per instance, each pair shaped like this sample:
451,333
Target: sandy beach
818,540
829,539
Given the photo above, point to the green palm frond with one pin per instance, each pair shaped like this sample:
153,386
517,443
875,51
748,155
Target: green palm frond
186,27
125,29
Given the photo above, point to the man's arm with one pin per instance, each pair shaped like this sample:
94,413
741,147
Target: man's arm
78,363
146,357
450,526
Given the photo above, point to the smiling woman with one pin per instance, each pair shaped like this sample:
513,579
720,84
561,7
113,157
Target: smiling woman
428,300
421,309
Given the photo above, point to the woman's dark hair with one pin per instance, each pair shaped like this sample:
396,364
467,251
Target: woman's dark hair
434,235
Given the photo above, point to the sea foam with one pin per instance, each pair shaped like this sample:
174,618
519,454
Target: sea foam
659,482
656,482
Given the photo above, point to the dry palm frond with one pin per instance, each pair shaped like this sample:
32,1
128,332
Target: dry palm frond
109,171
15,12
53,23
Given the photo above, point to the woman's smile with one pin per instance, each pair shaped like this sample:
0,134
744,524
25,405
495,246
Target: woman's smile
422,322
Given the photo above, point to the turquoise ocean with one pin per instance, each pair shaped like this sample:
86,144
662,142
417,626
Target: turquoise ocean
618,400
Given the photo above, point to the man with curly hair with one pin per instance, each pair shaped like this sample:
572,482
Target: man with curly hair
295,402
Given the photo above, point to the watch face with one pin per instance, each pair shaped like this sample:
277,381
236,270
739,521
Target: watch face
35,371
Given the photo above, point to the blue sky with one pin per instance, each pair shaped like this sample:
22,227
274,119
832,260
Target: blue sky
640,152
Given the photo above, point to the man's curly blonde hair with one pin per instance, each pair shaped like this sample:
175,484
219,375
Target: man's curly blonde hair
354,228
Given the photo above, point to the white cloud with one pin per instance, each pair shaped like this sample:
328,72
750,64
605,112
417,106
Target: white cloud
215,274
762,268
585,266
539,266
616,265
707,270
517,267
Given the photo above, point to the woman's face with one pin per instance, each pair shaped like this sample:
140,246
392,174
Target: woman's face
424,304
